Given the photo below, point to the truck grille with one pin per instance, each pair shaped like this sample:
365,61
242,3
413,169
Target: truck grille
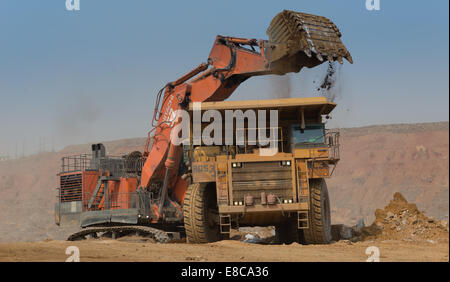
256,177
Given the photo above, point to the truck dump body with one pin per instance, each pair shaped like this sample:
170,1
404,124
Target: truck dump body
313,103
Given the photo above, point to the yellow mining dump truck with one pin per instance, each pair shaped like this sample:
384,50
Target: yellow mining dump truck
254,185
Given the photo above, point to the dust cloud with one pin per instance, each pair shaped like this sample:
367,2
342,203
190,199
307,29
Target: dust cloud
78,121
281,86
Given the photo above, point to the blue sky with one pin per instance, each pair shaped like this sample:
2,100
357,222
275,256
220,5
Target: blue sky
71,77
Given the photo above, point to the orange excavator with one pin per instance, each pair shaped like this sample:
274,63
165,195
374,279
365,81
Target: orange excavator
145,193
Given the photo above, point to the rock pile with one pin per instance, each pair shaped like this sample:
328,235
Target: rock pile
401,220
256,235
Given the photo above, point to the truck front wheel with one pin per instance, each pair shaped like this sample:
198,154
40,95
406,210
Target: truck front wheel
319,231
201,214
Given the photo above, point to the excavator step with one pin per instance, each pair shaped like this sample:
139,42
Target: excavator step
96,198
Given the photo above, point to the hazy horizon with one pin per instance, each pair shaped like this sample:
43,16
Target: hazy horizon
49,150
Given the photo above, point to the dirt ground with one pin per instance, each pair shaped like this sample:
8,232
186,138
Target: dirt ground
400,233
230,251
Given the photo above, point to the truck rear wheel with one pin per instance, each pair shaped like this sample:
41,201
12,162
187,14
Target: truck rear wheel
201,214
319,231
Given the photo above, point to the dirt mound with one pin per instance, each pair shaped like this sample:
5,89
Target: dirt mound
401,220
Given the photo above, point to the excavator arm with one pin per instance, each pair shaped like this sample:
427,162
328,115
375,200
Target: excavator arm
296,40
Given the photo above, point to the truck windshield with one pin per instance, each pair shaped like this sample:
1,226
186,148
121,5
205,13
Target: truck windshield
312,134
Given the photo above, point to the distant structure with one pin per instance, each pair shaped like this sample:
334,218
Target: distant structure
4,158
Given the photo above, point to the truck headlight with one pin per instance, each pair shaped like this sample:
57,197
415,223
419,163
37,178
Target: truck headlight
236,165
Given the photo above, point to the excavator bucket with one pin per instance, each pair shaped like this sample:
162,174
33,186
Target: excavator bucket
297,39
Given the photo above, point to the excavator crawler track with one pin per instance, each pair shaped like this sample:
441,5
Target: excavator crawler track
156,234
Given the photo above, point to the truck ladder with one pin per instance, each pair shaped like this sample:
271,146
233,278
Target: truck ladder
303,193
225,223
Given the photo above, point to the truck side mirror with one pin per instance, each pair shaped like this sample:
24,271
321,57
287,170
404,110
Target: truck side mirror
330,140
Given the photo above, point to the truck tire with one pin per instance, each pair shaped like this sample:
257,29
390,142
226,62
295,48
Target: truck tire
200,206
286,232
319,231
